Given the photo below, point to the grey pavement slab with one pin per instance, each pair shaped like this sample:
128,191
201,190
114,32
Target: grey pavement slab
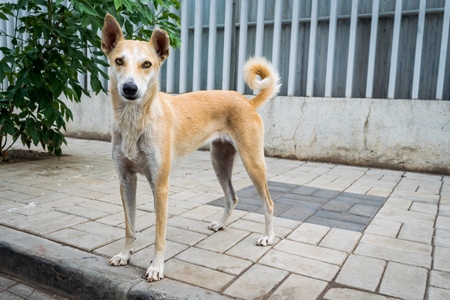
341,232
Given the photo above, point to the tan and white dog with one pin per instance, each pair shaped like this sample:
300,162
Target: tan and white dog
151,129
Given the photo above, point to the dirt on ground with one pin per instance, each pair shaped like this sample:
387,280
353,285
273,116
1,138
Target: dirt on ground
19,155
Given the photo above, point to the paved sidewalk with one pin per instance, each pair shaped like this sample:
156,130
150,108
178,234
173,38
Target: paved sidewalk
342,232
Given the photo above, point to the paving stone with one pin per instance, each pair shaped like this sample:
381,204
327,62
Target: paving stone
143,257
443,222
297,213
79,239
361,199
428,208
296,285
190,224
295,200
346,293
342,217
438,294
326,194
56,224
113,233
215,261
247,192
442,238
407,246
337,206
361,272
277,221
247,248
336,223
341,239
314,252
196,275
259,227
403,281
88,213
143,239
223,240
299,265
392,254
201,212
32,220
441,260
309,233
183,236
416,233
256,282
22,290
363,210
384,227
440,279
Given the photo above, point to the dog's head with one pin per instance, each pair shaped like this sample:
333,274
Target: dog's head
134,64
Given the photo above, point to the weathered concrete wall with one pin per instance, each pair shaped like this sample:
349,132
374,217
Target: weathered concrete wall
396,134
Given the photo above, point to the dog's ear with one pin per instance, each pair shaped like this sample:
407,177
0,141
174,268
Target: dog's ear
161,42
111,34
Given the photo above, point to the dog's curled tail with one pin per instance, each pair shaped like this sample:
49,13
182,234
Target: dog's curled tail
269,84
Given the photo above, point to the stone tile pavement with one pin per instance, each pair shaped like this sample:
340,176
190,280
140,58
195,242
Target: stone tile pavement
342,232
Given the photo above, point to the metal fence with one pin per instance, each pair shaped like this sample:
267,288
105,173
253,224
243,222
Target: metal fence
338,48
389,49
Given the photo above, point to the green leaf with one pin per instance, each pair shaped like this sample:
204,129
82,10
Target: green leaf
117,4
9,128
88,8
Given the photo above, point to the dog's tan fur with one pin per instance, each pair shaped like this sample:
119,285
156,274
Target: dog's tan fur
152,128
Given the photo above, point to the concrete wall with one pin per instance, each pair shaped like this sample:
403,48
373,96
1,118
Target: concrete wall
397,134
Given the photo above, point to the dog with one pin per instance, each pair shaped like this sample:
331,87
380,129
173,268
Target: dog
151,129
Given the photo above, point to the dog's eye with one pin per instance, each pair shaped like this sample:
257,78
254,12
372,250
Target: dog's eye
119,61
146,64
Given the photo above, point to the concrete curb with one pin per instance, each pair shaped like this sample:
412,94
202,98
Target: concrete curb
82,275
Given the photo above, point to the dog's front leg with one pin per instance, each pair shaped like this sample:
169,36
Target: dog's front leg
128,193
160,191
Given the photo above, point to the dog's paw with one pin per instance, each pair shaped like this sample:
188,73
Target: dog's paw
265,240
120,259
155,272
216,226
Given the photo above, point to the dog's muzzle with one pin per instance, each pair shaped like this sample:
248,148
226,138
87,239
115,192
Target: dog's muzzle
130,91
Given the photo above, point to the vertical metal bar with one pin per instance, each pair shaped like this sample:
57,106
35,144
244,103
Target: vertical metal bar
443,52
212,44
418,55
312,49
331,49
293,48
227,45
170,67
394,53
351,49
260,28
184,46
276,33
243,20
372,48
197,45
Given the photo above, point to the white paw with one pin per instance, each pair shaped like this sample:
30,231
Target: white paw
155,272
265,240
120,259
216,226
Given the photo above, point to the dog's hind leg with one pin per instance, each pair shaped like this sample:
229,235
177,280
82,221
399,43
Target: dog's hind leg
251,149
222,156
128,193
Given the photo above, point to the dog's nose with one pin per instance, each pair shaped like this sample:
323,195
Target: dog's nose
130,90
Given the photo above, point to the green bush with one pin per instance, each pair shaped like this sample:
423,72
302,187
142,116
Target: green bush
53,42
